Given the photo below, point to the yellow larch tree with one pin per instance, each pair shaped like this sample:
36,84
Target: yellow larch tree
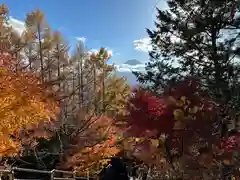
111,92
37,27
116,95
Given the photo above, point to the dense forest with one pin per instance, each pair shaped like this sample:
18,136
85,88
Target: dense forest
70,111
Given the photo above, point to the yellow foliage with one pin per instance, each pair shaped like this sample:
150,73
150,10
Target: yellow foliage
137,139
180,103
35,18
116,95
183,98
194,110
184,111
155,142
178,114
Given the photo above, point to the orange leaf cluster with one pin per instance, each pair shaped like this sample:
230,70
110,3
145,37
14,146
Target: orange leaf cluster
91,158
24,103
94,150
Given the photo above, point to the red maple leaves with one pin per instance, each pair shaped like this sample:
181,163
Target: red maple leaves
231,143
148,115
183,113
180,105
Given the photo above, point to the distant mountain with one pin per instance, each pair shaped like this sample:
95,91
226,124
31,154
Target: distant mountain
125,70
132,62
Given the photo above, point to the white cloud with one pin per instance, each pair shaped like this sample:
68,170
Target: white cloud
130,68
17,25
143,44
82,39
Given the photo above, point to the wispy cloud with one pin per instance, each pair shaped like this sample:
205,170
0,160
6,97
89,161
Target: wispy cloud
130,68
82,39
143,45
17,25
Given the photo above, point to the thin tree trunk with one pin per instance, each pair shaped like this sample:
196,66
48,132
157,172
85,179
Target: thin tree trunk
103,92
30,58
73,89
95,87
49,69
58,68
40,53
81,82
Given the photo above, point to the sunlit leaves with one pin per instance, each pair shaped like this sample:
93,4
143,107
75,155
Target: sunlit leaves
117,94
161,124
147,115
23,104
35,18
94,146
93,157
178,115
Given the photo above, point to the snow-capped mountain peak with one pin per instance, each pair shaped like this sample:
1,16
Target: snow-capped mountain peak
130,65
132,62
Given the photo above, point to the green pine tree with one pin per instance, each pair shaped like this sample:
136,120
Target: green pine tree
195,38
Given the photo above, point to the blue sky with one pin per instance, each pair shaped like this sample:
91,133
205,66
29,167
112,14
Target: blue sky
115,24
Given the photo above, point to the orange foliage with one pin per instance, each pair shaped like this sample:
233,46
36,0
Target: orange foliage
94,150
91,158
24,103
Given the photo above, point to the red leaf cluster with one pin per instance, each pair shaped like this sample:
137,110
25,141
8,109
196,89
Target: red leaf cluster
151,116
199,121
148,115
231,143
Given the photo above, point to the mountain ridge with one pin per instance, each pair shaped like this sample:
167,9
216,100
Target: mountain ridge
125,70
132,62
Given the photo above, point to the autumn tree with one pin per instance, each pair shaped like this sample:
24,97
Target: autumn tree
27,103
82,75
60,61
174,134
100,71
198,39
94,82
84,84
36,25
24,103
93,147
116,95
